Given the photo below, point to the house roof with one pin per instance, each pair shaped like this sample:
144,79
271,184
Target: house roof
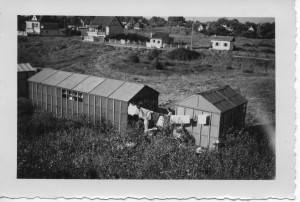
222,99
160,35
223,38
49,26
25,67
103,87
104,21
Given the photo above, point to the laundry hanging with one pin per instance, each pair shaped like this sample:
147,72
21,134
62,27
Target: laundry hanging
133,110
145,114
160,121
202,118
179,119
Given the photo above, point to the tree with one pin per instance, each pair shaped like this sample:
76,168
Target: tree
176,20
157,22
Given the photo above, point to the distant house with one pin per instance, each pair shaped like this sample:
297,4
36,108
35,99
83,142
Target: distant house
227,28
158,39
103,26
25,71
251,29
33,26
49,29
37,27
222,42
137,26
201,27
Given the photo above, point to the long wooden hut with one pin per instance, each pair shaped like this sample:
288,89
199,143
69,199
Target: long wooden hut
223,108
66,93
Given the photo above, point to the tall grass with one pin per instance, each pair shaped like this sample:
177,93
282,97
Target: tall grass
76,148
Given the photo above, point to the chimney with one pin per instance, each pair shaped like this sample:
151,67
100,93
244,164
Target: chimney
151,35
82,22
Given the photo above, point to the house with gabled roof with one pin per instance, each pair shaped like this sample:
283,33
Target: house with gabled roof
103,26
222,42
158,39
220,109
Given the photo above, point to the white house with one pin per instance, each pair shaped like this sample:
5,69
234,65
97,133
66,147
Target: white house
33,26
158,39
222,42
103,26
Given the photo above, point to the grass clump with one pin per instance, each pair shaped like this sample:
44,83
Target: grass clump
183,54
133,58
156,64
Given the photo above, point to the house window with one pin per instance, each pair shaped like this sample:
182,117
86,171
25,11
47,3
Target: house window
158,41
36,25
225,44
217,43
153,41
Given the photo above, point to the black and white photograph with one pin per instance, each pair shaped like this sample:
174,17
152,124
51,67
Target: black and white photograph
154,101
136,97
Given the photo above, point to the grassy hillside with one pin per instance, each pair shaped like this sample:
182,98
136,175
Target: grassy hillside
177,80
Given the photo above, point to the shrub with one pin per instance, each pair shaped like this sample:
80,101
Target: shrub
183,54
134,58
249,71
156,64
153,54
229,68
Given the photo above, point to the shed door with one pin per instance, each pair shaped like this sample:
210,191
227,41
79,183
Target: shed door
205,129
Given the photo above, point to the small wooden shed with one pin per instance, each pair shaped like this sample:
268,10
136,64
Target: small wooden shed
67,94
223,107
25,71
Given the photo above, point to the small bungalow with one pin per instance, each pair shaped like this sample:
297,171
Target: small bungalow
222,42
251,29
37,27
213,112
103,26
158,39
201,27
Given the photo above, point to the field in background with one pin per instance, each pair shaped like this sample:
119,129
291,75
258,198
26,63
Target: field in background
178,79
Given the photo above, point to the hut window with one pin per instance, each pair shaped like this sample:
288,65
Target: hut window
158,41
225,44
69,95
80,97
74,95
217,43
153,41
64,93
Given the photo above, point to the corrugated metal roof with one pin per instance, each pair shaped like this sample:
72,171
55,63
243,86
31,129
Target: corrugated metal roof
111,88
22,67
89,84
107,87
221,99
160,35
72,81
224,98
127,91
223,38
56,78
42,75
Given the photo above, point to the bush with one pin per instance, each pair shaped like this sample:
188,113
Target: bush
229,68
153,54
249,71
183,54
134,58
156,64
76,148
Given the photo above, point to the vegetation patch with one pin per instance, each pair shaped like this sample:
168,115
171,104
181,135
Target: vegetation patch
183,54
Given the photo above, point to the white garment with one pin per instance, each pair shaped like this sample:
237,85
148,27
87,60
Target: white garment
179,119
160,121
146,124
202,118
133,110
